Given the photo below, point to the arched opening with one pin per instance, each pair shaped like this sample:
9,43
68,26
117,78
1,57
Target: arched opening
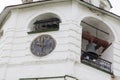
97,39
44,22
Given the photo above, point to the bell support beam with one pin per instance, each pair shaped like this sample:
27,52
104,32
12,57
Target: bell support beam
98,41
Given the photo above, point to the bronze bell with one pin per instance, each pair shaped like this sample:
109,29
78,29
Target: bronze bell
90,49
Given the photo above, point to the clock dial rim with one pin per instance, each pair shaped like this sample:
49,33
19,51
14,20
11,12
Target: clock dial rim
43,54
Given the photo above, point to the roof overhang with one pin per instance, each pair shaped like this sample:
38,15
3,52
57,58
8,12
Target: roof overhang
8,9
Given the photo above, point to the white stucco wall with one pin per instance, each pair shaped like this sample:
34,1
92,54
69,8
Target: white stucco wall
17,61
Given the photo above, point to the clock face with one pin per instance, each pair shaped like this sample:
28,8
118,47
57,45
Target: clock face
43,45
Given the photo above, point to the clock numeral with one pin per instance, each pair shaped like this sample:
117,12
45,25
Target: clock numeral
43,45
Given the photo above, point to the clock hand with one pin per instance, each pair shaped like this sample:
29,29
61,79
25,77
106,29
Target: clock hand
42,44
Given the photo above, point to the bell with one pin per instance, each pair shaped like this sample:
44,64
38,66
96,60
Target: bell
90,49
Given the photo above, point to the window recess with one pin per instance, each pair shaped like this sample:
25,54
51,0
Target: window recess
46,25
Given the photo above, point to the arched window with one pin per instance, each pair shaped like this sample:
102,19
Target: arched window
97,38
45,22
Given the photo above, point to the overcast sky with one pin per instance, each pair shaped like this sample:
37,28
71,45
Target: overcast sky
115,4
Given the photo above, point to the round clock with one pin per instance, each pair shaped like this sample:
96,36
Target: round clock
43,45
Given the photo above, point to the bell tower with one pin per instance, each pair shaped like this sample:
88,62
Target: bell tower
59,40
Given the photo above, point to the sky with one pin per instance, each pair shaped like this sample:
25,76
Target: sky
115,4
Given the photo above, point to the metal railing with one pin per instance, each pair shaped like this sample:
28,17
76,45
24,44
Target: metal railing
99,63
